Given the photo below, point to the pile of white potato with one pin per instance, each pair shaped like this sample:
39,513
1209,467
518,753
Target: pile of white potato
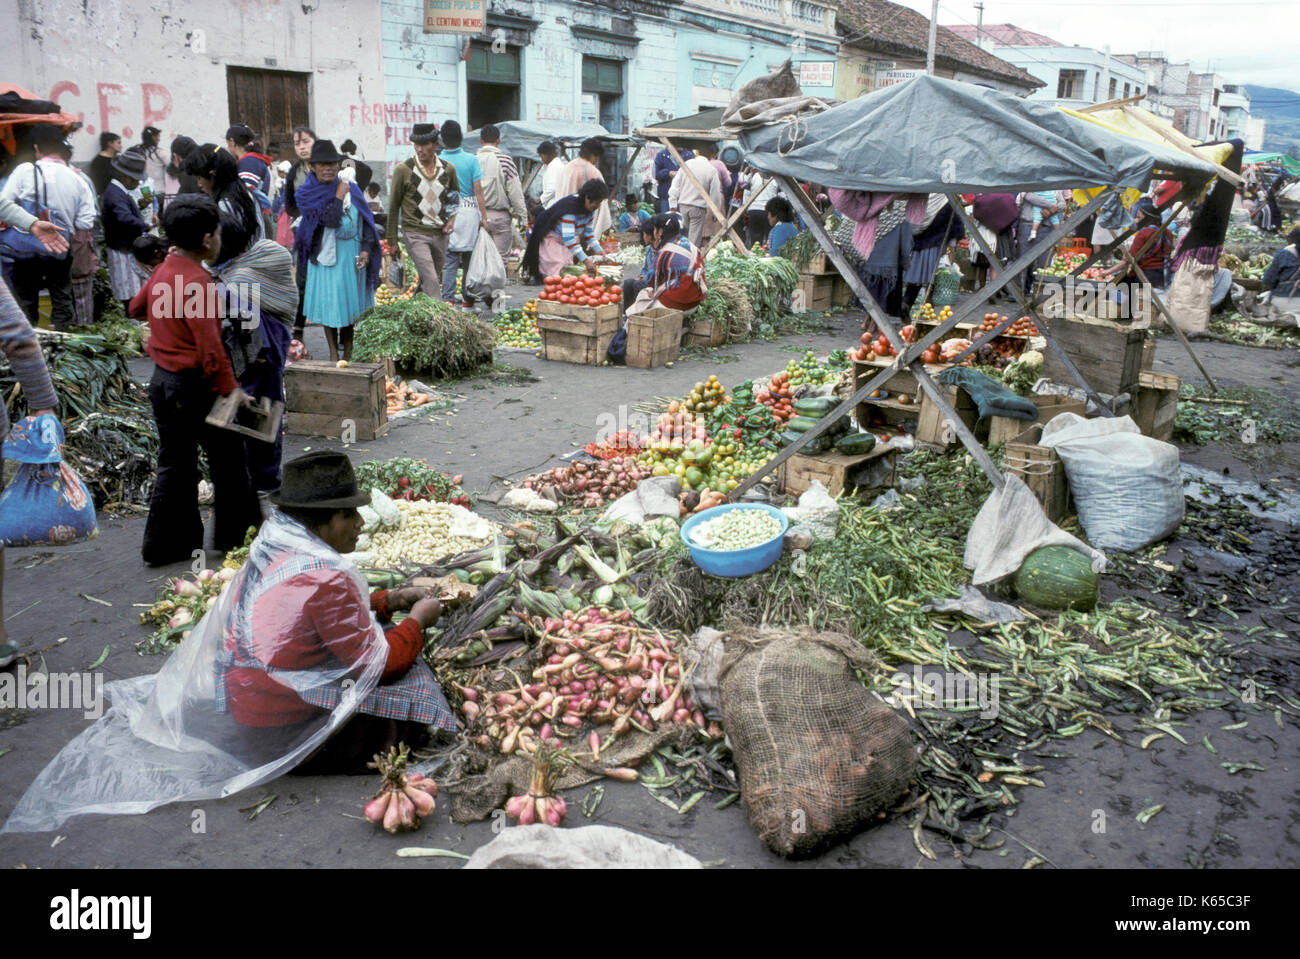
416,531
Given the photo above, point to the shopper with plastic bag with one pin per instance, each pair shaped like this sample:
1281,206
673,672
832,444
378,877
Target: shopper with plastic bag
23,351
290,668
485,277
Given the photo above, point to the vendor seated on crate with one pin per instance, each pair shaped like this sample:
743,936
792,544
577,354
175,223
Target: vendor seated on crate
1153,237
675,280
301,626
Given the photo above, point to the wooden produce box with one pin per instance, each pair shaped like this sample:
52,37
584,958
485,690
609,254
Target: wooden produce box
815,292
903,381
1041,470
320,397
1109,355
567,347
839,473
841,293
706,333
1149,354
1156,405
820,264
574,318
628,237
654,337
1004,429
933,430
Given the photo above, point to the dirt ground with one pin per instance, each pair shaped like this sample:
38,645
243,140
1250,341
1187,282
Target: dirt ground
513,423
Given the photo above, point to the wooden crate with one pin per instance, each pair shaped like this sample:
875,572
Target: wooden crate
1041,470
903,381
628,237
654,337
1149,353
573,318
815,292
565,347
1156,405
706,333
1109,355
841,294
820,265
839,473
320,398
933,430
1004,429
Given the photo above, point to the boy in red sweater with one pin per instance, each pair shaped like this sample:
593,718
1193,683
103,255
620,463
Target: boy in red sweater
191,369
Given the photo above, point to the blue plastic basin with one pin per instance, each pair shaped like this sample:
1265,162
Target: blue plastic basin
735,562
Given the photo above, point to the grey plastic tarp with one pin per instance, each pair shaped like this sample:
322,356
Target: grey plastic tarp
521,138
931,135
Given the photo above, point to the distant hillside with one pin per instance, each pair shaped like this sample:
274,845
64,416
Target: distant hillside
1281,108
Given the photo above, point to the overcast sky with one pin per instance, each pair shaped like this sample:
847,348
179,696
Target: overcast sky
1247,41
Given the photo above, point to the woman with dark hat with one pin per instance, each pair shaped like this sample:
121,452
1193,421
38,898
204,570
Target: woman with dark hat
337,246
120,216
291,669
304,610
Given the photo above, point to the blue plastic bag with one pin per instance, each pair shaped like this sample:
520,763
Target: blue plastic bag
47,504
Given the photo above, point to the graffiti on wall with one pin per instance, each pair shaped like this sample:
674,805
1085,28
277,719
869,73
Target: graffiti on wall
124,108
396,118
551,111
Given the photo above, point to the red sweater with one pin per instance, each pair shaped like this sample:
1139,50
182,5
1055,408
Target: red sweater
181,305
314,619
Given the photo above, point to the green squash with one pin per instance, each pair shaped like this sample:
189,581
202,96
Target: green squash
1058,577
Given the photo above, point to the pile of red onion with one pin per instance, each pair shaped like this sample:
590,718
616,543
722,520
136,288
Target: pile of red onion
600,668
403,798
589,484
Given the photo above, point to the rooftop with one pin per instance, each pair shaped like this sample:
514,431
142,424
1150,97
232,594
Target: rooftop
1005,35
893,30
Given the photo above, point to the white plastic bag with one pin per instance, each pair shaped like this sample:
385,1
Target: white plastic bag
486,273
1127,486
1009,526
818,512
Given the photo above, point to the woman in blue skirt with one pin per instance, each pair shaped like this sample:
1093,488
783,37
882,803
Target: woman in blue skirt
338,247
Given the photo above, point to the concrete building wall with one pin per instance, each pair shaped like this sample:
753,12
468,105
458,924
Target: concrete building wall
126,64
1046,63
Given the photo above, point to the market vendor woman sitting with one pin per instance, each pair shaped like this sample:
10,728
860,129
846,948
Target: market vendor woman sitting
674,278
299,614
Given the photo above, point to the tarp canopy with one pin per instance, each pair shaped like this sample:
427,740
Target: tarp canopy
521,138
931,135
1288,163
705,124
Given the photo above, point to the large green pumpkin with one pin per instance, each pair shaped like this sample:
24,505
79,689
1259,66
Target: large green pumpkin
1058,577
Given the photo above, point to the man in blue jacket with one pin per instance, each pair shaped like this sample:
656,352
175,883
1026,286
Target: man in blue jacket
665,167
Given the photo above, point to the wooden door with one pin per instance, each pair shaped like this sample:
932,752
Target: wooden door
272,102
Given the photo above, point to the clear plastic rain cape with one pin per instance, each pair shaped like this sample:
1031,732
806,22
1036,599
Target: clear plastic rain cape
167,737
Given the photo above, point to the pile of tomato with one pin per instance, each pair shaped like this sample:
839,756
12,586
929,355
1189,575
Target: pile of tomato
583,290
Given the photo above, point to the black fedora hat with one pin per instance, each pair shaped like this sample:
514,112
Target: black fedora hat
321,480
129,164
424,133
322,151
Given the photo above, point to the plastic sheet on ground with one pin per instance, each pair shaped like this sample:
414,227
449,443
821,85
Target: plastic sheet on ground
1009,526
587,847
656,496
977,606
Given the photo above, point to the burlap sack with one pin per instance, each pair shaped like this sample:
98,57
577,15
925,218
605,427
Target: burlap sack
1188,299
817,755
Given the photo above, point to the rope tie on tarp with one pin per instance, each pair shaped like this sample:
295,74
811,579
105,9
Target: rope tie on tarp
793,127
